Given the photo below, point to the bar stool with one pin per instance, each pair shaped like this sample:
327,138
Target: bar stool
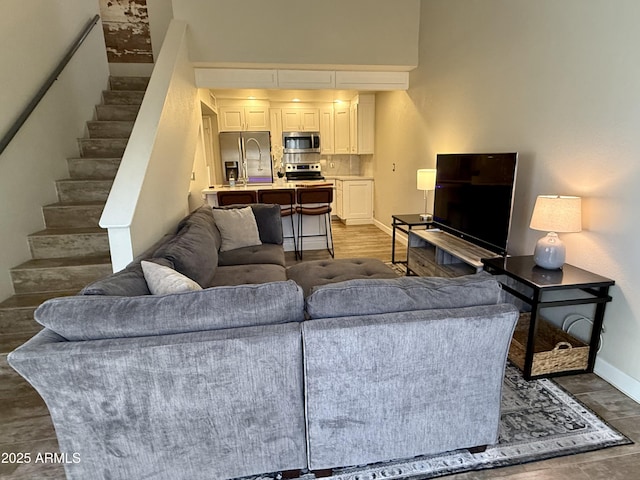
320,199
236,197
286,198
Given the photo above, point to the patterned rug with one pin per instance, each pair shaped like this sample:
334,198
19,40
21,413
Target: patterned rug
540,420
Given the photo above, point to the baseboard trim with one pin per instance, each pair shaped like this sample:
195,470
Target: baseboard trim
400,237
616,377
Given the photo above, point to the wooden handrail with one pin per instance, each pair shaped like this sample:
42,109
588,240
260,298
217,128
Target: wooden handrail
6,139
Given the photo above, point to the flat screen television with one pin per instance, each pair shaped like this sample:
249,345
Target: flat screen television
474,197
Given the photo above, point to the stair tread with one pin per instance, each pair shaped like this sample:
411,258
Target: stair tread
116,82
103,140
99,159
30,300
116,122
64,262
82,179
75,204
69,231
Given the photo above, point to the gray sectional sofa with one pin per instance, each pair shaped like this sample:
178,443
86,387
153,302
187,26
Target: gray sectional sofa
252,374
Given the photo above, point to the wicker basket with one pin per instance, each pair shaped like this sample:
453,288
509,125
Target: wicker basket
555,350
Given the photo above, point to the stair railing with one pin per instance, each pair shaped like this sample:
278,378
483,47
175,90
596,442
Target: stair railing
31,106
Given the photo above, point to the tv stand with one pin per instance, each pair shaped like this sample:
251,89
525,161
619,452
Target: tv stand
434,253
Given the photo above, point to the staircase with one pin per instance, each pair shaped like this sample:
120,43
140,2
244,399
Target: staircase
73,250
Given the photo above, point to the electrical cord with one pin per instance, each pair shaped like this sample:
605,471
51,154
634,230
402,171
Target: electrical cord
574,318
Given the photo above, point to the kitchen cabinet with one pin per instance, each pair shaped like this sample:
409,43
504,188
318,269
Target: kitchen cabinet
362,124
243,118
275,115
334,130
354,201
338,199
300,120
341,119
326,131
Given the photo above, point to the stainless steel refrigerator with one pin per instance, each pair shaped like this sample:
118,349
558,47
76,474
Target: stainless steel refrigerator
246,153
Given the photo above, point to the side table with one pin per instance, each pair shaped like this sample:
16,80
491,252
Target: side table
405,223
539,348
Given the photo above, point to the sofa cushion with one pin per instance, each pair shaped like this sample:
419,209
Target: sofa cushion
244,274
129,282
268,221
162,280
370,296
96,317
193,252
266,253
322,272
237,228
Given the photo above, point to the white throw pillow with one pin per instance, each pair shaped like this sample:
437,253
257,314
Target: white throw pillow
163,280
238,228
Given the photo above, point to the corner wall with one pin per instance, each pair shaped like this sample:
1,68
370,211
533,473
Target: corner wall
557,82
150,192
34,36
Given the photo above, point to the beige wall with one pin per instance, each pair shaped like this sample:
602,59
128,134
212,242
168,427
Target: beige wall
33,37
336,32
557,82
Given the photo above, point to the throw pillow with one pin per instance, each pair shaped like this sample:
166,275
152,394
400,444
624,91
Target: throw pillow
164,280
237,227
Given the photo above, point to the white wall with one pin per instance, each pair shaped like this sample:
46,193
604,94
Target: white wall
290,32
150,192
557,82
34,36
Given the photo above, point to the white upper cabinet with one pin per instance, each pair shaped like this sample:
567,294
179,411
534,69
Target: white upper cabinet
326,131
243,118
334,130
362,124
301,79
307,79
342,137
300,119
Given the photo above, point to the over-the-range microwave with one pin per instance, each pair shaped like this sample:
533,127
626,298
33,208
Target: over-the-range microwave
301,142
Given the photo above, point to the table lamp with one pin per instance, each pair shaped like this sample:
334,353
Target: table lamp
426,181
554,213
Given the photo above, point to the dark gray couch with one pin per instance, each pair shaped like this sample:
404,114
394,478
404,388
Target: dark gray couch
249,378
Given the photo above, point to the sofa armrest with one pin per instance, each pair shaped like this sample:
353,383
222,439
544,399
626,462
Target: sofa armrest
225,403
397,385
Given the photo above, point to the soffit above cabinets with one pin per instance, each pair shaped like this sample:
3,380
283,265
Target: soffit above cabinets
300,79
284,95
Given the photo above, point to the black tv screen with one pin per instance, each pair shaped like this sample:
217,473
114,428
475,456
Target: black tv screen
474,197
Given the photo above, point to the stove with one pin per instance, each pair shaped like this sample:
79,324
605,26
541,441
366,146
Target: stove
303,171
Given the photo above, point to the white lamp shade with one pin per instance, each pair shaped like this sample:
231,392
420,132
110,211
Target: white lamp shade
427,179
557,213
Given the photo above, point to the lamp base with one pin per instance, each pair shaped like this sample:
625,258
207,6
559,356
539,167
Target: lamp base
550,252
427,217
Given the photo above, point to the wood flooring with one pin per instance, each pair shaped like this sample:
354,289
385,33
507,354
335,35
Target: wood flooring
25,425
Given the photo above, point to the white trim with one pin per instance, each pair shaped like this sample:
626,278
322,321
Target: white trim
400,237
616,377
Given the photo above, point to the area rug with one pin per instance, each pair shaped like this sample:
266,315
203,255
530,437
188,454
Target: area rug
540,420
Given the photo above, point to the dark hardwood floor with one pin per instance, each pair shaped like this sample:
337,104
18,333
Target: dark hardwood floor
26,425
